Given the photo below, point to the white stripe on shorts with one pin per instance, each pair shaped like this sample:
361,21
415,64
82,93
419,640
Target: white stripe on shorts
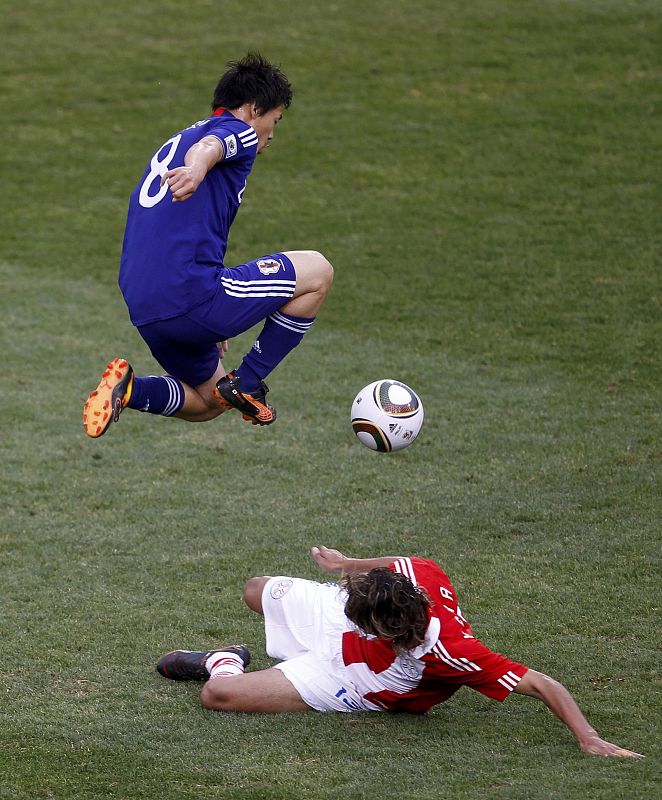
246,296
250,285
259,289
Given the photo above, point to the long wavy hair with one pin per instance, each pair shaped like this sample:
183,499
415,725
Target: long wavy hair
386,604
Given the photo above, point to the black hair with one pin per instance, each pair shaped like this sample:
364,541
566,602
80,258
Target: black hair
252,79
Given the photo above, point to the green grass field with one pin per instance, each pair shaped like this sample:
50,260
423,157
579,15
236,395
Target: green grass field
485,179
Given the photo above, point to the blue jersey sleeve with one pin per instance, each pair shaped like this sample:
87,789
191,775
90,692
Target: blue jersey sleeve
239,140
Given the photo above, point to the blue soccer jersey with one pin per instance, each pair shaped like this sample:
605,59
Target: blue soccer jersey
172,252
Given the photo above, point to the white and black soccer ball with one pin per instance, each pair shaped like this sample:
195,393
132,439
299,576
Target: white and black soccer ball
387,415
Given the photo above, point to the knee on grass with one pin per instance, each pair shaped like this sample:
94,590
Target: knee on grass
215,695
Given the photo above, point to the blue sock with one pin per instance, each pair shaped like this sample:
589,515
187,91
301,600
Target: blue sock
157,394
281,334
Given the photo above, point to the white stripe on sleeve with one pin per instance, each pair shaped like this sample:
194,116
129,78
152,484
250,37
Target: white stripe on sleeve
509,680
406,568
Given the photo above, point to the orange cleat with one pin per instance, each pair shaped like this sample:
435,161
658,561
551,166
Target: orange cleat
105,403
254,407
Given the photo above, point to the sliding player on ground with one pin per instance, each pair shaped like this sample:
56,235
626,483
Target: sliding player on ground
389,637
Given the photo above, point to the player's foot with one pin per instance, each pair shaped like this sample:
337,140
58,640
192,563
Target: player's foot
189,665
105,403
254,407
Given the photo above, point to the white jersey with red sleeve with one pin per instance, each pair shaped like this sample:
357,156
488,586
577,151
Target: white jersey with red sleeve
449,657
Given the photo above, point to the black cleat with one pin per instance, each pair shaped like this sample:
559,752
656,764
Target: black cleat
189,665
254,407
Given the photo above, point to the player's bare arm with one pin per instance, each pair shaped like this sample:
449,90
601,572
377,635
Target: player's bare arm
559,700
331,560
200,158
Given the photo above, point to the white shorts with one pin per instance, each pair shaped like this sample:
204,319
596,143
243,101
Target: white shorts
304,622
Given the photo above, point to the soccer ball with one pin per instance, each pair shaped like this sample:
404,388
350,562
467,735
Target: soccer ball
387,415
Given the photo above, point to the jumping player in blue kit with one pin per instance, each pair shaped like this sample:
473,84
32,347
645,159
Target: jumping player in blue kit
182,299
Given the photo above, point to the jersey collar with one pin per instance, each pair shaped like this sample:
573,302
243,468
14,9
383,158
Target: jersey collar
431,636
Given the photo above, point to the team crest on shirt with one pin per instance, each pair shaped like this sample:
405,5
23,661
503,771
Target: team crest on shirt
410,666
268,266
230,145
281,588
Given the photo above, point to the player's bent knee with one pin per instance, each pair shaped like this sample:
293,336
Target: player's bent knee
314,271
253,592
214,698
320,278
325,272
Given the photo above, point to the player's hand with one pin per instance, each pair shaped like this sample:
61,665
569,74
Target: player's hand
222,348
183,181
599,747
327,559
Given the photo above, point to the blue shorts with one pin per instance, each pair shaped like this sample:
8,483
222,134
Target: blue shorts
185,346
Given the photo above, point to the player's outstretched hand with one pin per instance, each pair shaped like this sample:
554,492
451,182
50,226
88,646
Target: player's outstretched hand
599,747
328,559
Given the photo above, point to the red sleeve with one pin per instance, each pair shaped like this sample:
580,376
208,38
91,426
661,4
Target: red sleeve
422,572
458,658
469,662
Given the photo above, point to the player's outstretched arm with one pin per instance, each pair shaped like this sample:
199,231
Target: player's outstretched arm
559,700
331,560
199,159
